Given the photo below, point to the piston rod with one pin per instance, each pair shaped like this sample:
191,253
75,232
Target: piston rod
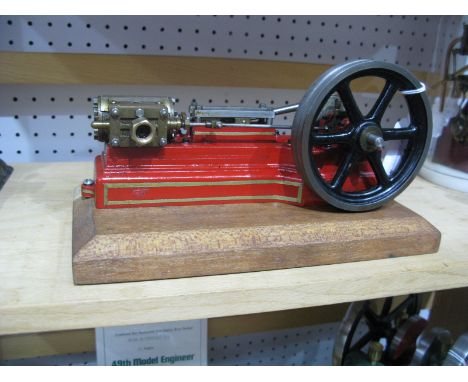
286,109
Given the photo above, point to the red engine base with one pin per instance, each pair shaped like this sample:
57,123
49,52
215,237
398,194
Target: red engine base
234,165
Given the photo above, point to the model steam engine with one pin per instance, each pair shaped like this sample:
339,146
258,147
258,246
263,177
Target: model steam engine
156,156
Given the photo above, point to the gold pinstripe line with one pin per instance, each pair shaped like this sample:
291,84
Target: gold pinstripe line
297,199
207,183
214,198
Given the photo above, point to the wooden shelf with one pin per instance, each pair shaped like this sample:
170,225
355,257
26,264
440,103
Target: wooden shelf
79,69
37,291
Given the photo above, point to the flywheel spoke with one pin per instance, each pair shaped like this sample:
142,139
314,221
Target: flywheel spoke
362,342
375,160
352,109
396,134
386,306
343,171
330,139
400,308
385,97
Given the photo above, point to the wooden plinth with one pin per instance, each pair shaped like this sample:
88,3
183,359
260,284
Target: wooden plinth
171,242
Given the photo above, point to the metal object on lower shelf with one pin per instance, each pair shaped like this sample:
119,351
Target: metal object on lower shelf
5,172
432,347
403,344
458,354
395,326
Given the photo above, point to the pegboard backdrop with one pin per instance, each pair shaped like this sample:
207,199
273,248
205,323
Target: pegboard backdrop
407,40
52,123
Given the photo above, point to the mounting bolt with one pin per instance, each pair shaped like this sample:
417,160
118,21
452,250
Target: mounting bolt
139,112
114,112
88,182
219,124
163,142
115,142
163,112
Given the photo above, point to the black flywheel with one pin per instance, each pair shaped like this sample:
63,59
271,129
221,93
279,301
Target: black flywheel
362,138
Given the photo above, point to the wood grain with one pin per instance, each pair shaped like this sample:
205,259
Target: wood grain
37,293
66,68
135,244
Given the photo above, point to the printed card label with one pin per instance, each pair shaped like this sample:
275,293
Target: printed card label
171,343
